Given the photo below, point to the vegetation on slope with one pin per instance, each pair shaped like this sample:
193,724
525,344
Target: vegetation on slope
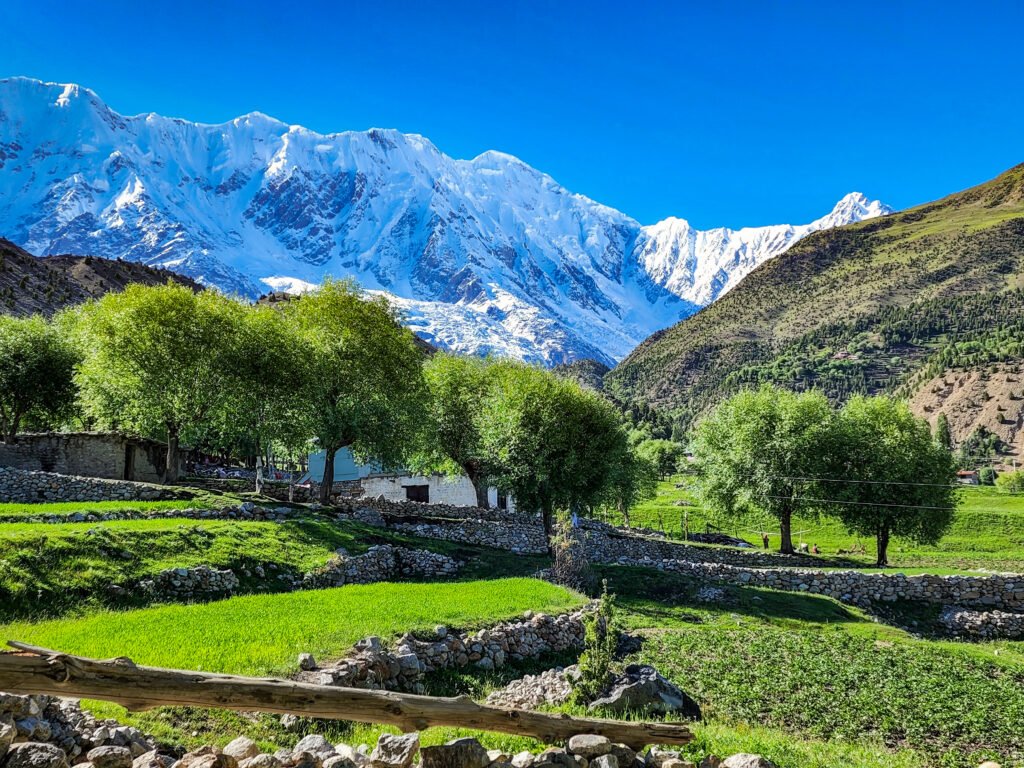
854,309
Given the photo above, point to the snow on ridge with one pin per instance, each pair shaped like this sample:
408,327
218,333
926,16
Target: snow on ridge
487,255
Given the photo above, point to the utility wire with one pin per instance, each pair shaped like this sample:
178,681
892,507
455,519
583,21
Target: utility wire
871,482
860,503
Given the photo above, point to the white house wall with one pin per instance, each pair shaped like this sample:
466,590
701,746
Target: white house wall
442,490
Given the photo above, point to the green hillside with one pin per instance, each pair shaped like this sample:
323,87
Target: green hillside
862,308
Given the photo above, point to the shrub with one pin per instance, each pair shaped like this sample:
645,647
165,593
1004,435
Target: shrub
600,641
1011,482
987,476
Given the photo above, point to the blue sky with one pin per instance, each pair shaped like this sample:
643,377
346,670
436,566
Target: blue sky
723,113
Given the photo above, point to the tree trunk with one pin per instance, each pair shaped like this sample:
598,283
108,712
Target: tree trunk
883,546
171,468
479,485
327,482
10,432
785,528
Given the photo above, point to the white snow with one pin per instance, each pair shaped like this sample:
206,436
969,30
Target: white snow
482,255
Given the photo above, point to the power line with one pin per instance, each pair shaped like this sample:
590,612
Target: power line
872,482
860,503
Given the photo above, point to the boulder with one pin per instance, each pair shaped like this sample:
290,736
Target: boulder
206,757
747,760
242,748
110,757
260,761
152,759
678,763
307,662
711,761
458,753
307,759
32,754
605,761
642,689
522,759
624,755
338,761
314,743
395,751
7,734
351,754
589,745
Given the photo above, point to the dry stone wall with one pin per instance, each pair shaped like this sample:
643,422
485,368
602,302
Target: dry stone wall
983,625
996,592
373,666
26,486
380,563
184,584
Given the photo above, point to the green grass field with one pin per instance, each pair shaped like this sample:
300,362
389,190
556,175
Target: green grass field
11,511
987,533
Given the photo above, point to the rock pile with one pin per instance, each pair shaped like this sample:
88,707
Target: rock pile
373,666
380,563
44,731
185,584
982,624
27,486
549,688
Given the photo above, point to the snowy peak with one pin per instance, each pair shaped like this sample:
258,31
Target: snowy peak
483,255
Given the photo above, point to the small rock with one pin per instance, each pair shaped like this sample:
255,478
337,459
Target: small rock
337,761
624,755
590,745
242,748
522,759
395,751
110,757
990,764
152,759
307,662
207,757
31,754
678,763
747,760
351,754
314,743
260,761
605,761
711,761
458,753
7,734
290,722
307,759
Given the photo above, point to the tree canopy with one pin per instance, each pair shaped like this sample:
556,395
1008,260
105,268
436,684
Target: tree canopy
365,385
36,372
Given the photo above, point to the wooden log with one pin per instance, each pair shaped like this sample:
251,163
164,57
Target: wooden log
40,671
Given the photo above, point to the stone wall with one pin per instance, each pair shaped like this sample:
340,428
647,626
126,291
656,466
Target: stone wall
996,592
380,563
245,511
185,584
18,485
373,666
984,625
109,455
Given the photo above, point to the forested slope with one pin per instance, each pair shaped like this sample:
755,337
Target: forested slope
878,306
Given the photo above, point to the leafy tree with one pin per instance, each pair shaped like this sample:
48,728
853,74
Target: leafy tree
765,449
550,443
365,388
458,388
36,372
268,380
632,479
897,481
157,360
987,476
1011,482
663,454
942,434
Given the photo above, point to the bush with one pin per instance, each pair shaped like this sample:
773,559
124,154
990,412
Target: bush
600,642
1011,482
987,476
569,564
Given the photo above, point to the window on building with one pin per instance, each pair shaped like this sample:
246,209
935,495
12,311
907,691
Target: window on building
418,493
502,501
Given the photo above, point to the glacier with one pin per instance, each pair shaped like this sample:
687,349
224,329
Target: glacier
482,256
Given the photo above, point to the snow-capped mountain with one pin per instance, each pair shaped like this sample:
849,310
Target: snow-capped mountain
482,255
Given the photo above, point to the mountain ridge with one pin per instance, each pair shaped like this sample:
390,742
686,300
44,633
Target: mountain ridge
487,255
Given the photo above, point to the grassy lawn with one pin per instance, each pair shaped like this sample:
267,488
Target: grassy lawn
262,634
52,569
11,511
987,533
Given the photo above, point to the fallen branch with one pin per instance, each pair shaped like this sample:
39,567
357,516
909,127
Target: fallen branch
38,670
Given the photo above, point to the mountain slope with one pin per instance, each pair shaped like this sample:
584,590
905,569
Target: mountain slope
484,255
860,308
30,285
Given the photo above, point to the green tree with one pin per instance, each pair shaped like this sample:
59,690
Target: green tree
1011,482
365,386
942,434
663,454
896,479
765,449
36,372
157,360
632,478
458,388
268,369
550,443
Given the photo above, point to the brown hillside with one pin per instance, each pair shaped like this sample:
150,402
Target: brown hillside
29,284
